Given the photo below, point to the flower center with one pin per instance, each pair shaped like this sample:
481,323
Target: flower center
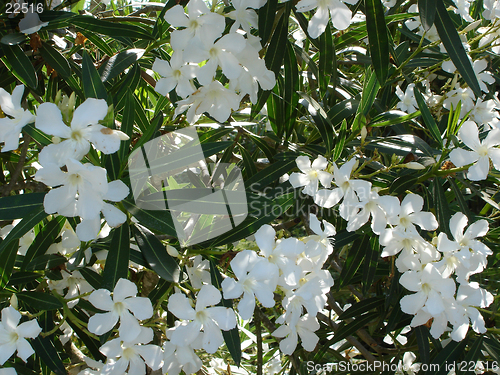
249,284
213,52
76,135
201,316
119,308
193,24
176,73
128,353
313,175
13,337
404,222
482,151
75,179
426,288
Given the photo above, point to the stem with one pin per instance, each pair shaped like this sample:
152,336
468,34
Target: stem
258,333
19,167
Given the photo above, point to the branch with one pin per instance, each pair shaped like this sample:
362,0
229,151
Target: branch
19,167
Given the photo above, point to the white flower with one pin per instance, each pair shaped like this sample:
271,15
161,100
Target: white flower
210,319
347,189
430,287
124,299
13,335
213,98
31,22
415,250
74,282
410,214
132,355
181,358
463,9
84,130
465,96
243,16
311,175
199,273
465,255
199,22
16,119
484,112
218,53
481,151
256,278
371,205
176,74
407,103
407,364
483,77
83,191
340,13
304,329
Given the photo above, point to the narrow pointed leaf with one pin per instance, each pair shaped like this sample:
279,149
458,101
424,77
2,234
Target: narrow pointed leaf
92,85
54,58
377,38
427,12
18,206
39,300
118,257
21,65
453,44
156,254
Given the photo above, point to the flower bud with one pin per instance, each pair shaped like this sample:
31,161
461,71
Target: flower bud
414,165
172,251
13,302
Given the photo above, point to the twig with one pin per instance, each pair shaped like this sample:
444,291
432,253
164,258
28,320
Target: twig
19,167
258,333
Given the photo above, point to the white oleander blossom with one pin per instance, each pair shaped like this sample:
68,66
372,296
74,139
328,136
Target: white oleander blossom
480,151
177,358
257,277
176,74
341,15
13,335
77,137
430,288
304,329
199,272
124,306
211,319
16,117
410,213
132,355
407,103
214,98
311,175
81,191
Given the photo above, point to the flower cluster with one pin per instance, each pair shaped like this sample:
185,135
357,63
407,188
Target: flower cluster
199,40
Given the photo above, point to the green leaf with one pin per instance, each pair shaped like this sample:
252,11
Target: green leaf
24,226
118,258
57,61
43,240
347,329
472,356
160,221
370,264
18,206
362,307
92,85
370,89
354,259
422,334
112,29
12,39
92,277
126,88
119,62
44,346
393,117
156,254
377,38
91,344
451,40
441,204
402,183
427,12
446,357
327,65
277,46
98,41
39,136
339,145
231,337
266,177
248,164
321,121
40,301
46,262
7,261
21,65
18,278
429,121
459,196
267,15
